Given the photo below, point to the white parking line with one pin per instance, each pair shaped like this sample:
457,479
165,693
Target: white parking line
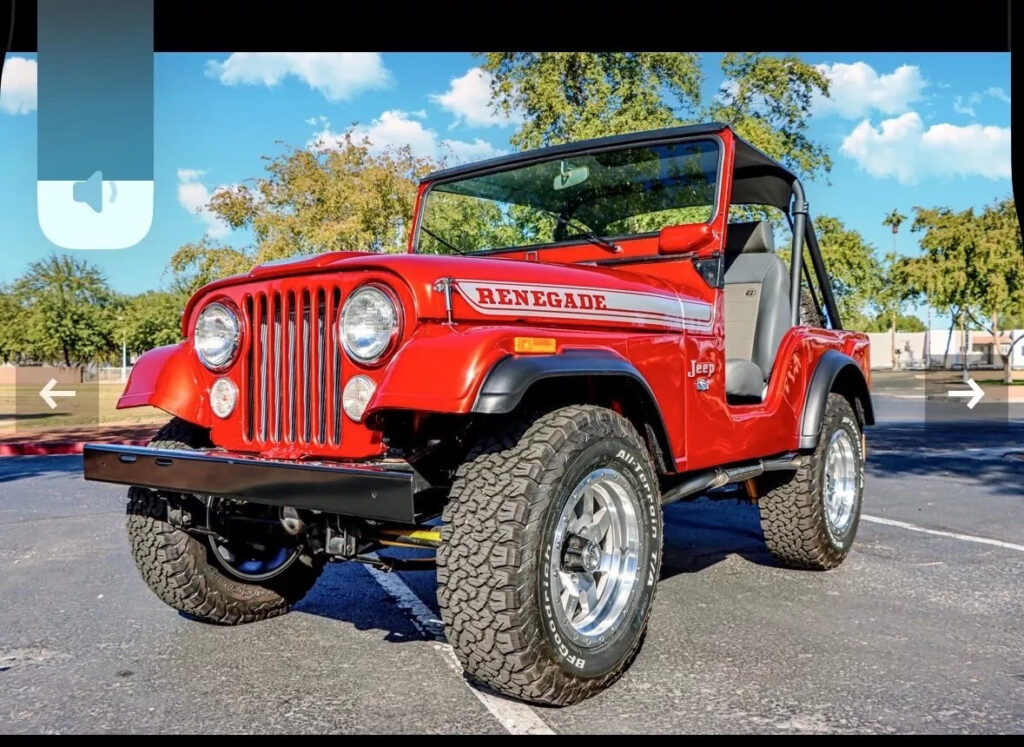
941,533
517,718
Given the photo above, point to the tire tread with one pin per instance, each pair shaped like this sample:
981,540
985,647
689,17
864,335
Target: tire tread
174,564
487,563
792,513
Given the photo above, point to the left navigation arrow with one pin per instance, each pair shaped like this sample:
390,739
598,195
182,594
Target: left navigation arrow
48,393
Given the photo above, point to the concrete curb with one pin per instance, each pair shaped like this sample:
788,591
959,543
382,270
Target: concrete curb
56,448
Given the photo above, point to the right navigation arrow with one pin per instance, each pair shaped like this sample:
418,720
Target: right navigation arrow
975,393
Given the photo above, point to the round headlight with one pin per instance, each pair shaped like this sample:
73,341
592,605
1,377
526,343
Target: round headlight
369,324
217,336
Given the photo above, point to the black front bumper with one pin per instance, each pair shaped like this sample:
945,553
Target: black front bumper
369,491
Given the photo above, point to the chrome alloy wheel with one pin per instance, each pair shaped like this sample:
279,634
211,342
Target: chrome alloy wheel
595,557
840,482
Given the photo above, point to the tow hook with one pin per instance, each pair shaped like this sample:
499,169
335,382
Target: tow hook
290,520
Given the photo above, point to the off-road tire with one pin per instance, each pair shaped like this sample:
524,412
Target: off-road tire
491,566
180,568
809,314
793,510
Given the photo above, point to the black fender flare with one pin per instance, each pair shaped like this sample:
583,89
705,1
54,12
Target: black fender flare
509,380
833,367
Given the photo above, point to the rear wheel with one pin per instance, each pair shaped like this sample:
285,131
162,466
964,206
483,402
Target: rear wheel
810,519
550,555
249,568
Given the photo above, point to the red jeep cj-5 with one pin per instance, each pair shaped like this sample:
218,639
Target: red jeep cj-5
577,336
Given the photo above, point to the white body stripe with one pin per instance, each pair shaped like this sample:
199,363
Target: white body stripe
500,298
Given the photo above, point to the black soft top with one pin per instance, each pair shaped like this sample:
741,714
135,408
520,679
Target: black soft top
758,179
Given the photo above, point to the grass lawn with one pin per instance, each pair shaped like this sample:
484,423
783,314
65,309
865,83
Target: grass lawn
23,410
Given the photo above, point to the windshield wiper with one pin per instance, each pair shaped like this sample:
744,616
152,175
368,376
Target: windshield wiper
446,242
583,231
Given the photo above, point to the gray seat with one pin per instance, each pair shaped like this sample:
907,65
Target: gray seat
757,312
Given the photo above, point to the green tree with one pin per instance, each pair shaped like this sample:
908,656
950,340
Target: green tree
894,219
767,99
12,326
904,323
972,264
854,271
343,198
67,310
151,319
563,96
852,266
891,299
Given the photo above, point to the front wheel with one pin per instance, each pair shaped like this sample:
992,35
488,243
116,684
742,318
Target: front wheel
550,555
246,568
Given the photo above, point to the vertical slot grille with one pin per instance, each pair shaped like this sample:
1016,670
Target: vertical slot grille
293,368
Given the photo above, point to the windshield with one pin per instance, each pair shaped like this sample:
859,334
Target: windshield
610,194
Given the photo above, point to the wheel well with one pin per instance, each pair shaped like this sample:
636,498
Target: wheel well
620,393
849,382
839,373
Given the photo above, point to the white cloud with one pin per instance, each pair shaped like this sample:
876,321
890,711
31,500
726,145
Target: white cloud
963,105
469,99
902,148
463,152
195,198
998,93
18,87
337,75
396,129
856,89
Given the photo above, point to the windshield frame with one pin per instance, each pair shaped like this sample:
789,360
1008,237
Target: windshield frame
542,157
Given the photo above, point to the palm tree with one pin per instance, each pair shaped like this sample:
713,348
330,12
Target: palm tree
894,219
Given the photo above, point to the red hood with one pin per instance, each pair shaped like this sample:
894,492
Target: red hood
421,273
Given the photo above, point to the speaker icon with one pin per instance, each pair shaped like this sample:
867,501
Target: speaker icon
91,191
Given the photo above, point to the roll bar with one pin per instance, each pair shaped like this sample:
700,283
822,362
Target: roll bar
803,231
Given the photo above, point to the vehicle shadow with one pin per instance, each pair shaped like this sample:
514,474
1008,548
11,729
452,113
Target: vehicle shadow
347,592
698,534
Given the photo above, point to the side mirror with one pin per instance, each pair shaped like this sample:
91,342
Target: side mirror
686,238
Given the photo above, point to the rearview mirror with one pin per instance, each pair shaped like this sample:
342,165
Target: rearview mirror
570,176
684,239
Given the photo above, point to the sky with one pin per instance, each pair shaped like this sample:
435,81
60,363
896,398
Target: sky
903,129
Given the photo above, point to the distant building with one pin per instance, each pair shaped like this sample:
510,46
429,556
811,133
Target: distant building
936,345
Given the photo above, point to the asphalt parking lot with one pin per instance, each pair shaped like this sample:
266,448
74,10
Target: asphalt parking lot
919,631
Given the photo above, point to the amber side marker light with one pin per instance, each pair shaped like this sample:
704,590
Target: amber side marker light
535,344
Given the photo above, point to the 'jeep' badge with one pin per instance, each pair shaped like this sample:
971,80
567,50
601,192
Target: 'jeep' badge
701,368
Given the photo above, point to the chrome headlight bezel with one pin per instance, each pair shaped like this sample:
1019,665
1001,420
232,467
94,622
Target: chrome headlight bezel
387,341
226,360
